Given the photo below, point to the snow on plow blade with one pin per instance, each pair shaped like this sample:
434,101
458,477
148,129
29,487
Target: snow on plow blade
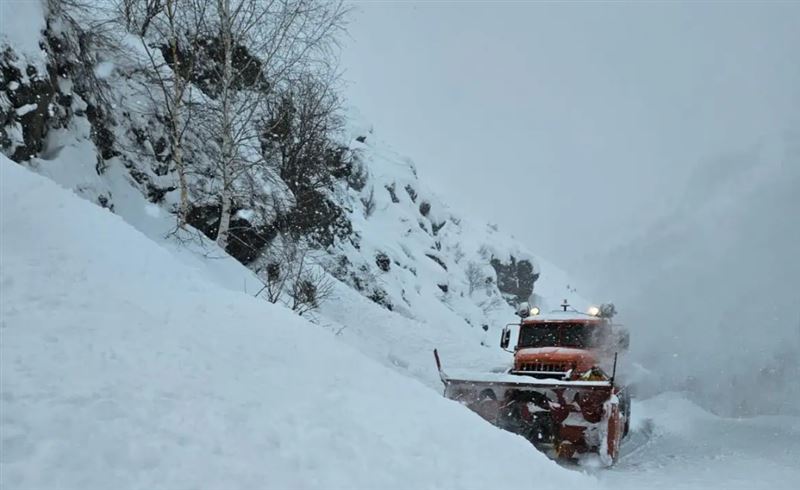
564,419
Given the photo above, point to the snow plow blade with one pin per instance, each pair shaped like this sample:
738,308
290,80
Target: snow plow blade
565,419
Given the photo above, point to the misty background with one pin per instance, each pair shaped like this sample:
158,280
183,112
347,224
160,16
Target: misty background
650,149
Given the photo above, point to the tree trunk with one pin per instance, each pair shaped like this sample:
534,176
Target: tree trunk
224,220
227,156
177,155
176,115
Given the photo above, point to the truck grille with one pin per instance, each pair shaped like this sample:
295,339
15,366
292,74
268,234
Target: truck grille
545,367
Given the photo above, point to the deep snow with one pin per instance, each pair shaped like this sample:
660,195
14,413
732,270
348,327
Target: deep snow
129,364
123,365
677,445
124,368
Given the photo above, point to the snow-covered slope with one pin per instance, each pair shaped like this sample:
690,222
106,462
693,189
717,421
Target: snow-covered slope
436,278
439,290
412,276
123,368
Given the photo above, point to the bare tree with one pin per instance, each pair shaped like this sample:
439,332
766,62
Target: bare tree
291,276
458,253
369,203
172,54
491,303
475,277
227,155
263,44
309,290
218,71
136,15
274,280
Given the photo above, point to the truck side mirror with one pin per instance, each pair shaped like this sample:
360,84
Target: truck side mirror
505,338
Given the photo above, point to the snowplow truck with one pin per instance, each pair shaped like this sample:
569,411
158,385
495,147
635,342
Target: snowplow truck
562,391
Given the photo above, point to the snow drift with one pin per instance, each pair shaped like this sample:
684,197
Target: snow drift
123,368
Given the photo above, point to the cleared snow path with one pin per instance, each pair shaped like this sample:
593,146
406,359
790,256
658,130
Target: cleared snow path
676,445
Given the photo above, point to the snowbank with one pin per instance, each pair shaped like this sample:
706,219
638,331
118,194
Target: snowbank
671,413
124,368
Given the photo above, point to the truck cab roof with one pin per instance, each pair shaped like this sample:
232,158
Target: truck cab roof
563,316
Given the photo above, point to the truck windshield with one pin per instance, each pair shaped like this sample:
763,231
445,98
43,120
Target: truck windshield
555,335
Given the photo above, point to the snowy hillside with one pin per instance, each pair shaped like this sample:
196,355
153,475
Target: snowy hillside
155,377
407,274
154,337
436,269
182,310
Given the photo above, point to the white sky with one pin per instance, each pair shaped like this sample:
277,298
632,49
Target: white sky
571,125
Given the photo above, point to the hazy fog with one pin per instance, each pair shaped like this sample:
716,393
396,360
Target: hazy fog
583,119
711,291
651,148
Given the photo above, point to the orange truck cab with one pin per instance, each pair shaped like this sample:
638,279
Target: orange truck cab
566,345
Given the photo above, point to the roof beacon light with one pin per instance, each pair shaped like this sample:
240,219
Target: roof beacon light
593,310
535,311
